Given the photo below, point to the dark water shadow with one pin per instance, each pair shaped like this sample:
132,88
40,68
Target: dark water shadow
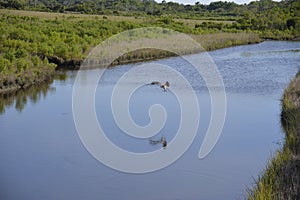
34,93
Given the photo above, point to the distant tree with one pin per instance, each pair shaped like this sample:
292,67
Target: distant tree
17,4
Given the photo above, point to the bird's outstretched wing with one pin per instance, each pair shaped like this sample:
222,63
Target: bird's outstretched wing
167,84
156,83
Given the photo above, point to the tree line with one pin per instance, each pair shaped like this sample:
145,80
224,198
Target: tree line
142,7
273,19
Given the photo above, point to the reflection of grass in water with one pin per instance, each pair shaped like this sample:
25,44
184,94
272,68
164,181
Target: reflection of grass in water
20,97
60,75
281,179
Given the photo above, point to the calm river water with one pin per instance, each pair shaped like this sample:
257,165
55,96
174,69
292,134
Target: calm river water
42,157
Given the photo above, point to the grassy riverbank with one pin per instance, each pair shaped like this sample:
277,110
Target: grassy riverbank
34,44
281,179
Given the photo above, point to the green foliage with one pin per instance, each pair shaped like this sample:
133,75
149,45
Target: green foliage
276,20
127,7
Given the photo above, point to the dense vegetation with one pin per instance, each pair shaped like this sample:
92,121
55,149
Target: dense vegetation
269,18
125,7
33,44
258,15
31,48
281,179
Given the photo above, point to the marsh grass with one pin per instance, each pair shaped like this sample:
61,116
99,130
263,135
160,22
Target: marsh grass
221,40
281,179
78,16
69,16
208,42
193,22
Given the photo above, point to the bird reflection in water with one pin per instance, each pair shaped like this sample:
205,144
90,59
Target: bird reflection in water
162,141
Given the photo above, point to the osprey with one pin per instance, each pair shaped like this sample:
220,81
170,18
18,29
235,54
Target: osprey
163,86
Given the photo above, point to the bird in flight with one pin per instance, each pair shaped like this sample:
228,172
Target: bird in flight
163,86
